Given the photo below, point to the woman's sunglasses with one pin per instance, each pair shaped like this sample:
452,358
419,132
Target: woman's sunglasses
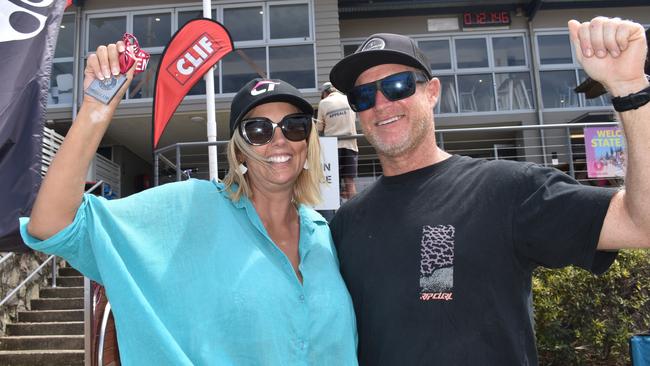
393,87
259,130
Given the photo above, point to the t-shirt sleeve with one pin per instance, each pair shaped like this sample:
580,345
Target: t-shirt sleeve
73,243
557,221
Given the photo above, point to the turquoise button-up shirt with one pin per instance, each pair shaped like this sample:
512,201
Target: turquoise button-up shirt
194,279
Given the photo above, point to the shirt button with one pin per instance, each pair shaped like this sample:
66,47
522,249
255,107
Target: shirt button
302,298
301,345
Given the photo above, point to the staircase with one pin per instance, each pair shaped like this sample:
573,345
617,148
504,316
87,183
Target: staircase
52,332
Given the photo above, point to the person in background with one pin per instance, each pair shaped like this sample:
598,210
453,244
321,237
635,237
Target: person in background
336,118
438,253
239,272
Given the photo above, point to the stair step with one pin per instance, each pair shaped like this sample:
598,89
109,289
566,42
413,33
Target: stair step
57,304
47,357
68,271
61,292
46,328
35,316
70,281
42,342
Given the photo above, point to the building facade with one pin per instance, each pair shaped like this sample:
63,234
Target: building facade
500,63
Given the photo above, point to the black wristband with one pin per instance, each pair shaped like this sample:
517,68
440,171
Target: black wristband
632,101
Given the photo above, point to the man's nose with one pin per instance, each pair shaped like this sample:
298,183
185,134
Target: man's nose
380,99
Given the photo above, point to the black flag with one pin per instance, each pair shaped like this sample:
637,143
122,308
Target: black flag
28,31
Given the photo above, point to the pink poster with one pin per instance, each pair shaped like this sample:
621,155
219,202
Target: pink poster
605,149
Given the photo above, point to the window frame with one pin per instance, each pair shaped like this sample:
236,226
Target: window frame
574,66
175,9
63,60
491,69
129,14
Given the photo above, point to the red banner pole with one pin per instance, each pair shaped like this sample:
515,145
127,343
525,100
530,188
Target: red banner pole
210,107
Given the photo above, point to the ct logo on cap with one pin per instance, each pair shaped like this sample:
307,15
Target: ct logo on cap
374,44
263,87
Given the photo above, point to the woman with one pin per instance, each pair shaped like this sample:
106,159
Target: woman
208,273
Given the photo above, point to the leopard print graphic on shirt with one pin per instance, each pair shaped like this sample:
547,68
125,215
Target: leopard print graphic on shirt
437,262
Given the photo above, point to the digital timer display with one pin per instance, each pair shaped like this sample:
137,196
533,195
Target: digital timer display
486,18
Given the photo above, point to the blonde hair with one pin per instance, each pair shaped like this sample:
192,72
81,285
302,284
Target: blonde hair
306,188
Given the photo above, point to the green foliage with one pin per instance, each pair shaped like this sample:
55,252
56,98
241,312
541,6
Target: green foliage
583,319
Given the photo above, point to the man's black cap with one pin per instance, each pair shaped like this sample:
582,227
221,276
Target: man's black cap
261,91
378,49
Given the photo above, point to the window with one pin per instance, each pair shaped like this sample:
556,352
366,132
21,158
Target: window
471,53
276,41
289,21
476,93
438,53
250,30
294,64
604,100
271,40
560,73
153,30
241,66
554,49
514,91
557,89
106,30
61,79
480,74
508,51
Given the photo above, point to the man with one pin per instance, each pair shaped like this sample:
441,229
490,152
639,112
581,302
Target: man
336,118
438,253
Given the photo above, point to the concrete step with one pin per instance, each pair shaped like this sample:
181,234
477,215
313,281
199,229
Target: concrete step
61,292
42,342
38,358
57,304
69,271
45,328
70,281
36,316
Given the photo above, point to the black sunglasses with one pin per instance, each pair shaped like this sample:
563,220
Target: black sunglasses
259,130
393,87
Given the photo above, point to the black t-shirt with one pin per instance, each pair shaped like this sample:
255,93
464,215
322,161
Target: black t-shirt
438,261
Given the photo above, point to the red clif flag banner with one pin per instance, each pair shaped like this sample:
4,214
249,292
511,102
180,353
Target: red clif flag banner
192,51
28,33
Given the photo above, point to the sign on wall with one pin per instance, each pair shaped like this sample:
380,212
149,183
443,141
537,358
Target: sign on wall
605,150
330,191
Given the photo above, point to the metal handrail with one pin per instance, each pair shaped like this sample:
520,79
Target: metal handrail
102,334
6,257
95,186
159,158
27,280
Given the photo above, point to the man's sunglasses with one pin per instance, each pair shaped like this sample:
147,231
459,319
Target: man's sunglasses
259,130
393,87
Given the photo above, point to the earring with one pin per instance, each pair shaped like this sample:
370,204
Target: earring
242,168
306,166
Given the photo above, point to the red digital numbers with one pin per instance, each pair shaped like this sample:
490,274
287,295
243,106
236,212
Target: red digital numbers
483,18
